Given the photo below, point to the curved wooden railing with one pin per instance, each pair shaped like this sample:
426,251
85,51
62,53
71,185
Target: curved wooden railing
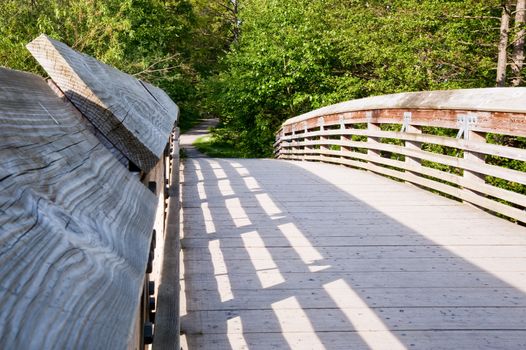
454,142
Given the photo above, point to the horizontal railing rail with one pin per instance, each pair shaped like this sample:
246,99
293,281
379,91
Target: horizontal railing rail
467,144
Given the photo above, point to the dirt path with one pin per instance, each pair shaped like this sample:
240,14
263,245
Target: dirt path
187,139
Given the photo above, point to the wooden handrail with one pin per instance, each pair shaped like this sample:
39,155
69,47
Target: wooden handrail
168,322
83,171
366,133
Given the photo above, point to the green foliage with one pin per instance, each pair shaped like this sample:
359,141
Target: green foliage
157,41
275,71
297,55
255,63
214,146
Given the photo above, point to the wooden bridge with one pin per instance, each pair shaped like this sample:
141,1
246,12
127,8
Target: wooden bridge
392,222
309,255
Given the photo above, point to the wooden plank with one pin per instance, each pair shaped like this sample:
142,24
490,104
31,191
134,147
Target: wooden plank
496,192
353,340
487,169
500,122
167,318
74,231
100,136
498,150
502,109
380,279
292,265
335,320
136,117
369,252
317,298
306,277
360,240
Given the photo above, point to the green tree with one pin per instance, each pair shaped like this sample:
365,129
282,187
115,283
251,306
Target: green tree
294,56
150,39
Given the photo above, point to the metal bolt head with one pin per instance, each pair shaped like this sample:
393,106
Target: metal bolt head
148,333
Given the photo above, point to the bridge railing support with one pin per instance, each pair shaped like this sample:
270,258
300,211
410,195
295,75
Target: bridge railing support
83,171
436,140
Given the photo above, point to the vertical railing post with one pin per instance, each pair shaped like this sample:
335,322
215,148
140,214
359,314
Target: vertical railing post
307,149
344,138
471,177
321,123
294,142
412,162
372,141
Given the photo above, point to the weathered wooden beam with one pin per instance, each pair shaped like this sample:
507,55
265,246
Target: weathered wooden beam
499,110
75,227
168,322
135,116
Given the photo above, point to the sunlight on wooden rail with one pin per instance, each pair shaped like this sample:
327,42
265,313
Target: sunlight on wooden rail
462,143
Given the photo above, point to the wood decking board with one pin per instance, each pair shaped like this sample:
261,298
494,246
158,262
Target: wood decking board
325,258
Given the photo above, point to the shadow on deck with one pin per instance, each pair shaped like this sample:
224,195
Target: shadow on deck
281,255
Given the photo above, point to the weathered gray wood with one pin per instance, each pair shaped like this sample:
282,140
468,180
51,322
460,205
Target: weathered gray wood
389,279
500,172
365,239
501,151
75,227
427,109
334,320
135,116
315,298
444,340
309,255
488,99
463,194
167,318
496,192
366,252
100,136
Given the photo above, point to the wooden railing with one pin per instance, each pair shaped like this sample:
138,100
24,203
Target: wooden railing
461,143
88,207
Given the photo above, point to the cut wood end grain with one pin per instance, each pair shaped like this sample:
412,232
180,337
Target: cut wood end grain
136,117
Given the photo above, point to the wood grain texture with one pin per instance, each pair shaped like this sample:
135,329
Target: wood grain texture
135,116
504,100
488,121
332,135
100,136
460,193
304,255
492,149
75,227
167,319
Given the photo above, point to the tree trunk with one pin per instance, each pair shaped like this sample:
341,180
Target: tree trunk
517,58
235,12
503,44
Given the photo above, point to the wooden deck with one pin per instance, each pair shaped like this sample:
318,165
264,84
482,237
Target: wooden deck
299,255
